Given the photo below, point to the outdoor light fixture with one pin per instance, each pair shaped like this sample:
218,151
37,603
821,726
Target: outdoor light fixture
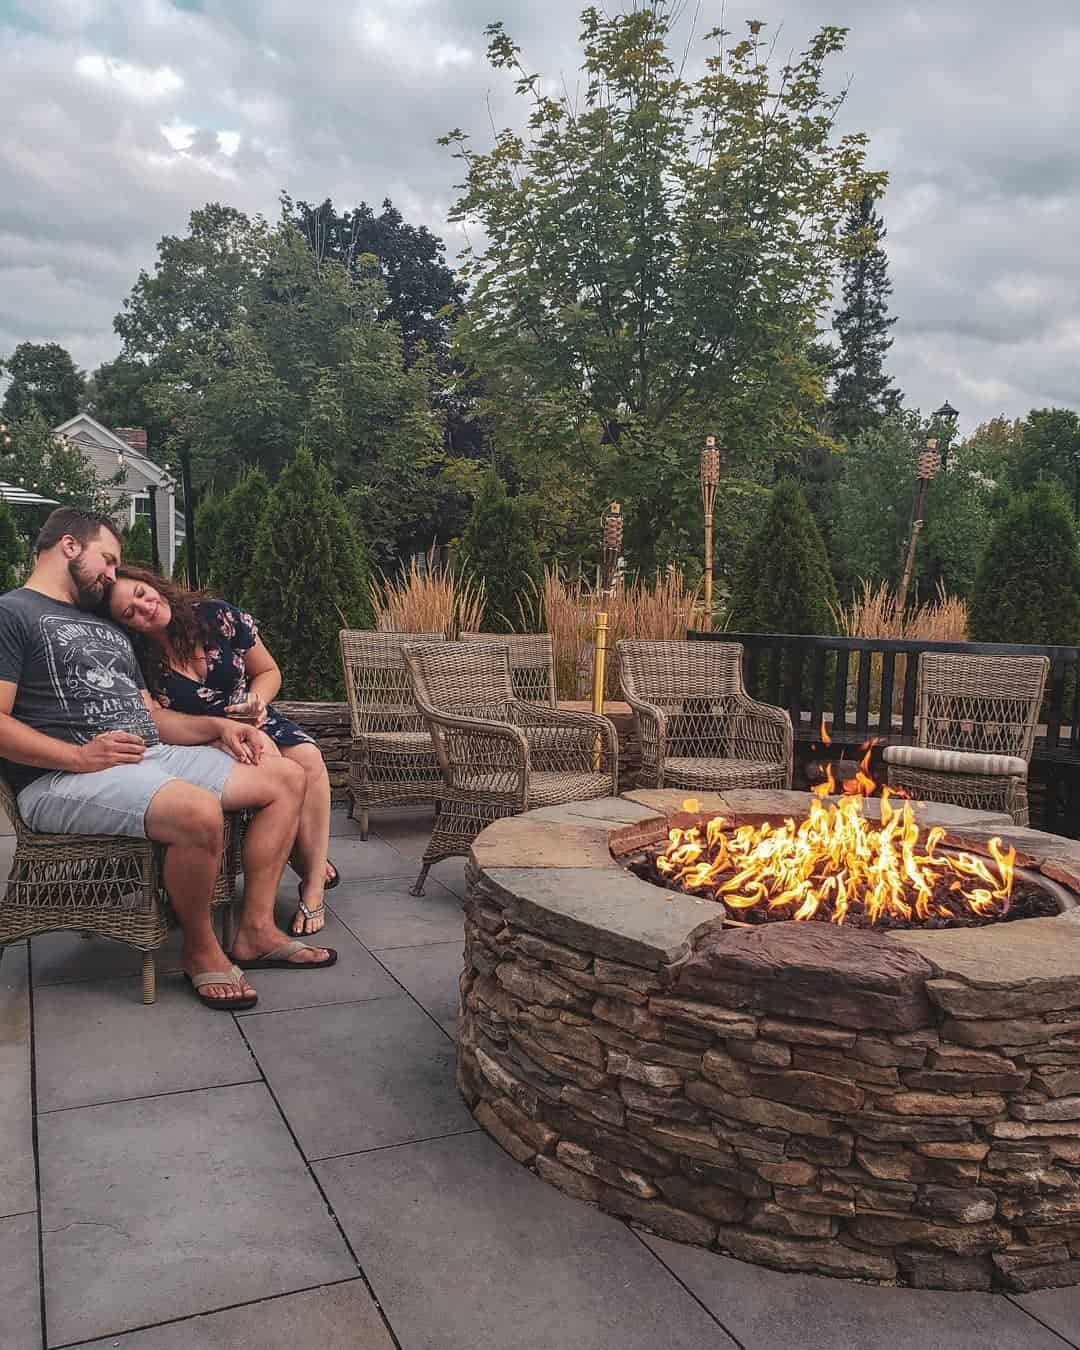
710,480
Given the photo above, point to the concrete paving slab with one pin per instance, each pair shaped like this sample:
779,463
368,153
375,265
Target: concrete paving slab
466,1250
430,974
1058,1309
341,1317
60,958
174,1206
356,977
356,1076
383,914
765,1309
18,1191
365,860
100,1043
20,1291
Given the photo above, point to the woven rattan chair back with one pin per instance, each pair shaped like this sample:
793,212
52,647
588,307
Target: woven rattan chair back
671,674
464,679
985,704
376,682
532,663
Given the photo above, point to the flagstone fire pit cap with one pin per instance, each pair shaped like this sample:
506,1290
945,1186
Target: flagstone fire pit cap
558,871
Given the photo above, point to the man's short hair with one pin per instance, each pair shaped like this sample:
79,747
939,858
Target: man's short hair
81,525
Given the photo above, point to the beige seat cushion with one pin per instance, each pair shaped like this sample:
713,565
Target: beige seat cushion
955,761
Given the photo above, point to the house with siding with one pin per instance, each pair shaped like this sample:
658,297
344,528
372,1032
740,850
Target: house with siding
124,449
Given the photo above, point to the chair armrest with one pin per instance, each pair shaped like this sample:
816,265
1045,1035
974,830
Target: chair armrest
652,728
565,739
480,756
760,731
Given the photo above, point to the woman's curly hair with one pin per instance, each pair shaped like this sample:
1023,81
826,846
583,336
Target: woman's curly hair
186,631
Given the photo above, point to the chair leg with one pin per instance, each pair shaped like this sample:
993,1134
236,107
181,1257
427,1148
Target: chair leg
417,888
363,823
228,925
149,978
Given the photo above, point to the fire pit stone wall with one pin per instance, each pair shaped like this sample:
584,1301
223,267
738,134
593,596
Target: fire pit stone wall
891,1107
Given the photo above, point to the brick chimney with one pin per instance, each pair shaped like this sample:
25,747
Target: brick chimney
134,436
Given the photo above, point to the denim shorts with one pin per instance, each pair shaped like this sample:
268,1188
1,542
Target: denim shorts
115,801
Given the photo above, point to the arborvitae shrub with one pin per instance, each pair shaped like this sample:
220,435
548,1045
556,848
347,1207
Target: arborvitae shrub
136,545
783,583
309,579
238,518
1028,585
498,547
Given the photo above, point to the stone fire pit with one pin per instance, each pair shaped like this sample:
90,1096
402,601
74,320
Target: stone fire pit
899,1106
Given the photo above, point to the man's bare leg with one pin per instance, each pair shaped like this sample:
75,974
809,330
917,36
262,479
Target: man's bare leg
275,788
187,820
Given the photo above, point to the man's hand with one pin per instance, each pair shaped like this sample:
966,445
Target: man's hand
253,710
241,740
108,750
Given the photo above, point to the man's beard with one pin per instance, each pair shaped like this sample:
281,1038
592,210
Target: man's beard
89,590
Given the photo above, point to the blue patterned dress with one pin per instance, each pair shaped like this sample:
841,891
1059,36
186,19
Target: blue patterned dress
230,633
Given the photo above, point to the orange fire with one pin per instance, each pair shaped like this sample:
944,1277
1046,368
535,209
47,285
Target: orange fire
861,784
839,863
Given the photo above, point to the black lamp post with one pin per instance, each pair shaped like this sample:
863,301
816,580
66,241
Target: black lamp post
189,519
947,416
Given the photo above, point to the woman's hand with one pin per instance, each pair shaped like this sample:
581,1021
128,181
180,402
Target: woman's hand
241,740
252,710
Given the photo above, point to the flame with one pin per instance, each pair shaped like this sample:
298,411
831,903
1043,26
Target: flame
836,863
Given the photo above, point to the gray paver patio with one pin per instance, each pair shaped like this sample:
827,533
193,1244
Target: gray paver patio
354,1066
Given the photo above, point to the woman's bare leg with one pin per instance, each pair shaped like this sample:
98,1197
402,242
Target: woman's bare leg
312,836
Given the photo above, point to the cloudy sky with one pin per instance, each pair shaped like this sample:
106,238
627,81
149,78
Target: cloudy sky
121,116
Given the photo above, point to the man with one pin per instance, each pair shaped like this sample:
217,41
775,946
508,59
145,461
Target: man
89,752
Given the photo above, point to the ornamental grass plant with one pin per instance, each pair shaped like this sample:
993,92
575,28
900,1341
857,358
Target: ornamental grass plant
429,599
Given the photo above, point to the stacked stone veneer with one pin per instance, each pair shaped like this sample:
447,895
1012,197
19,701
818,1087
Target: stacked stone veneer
810,1098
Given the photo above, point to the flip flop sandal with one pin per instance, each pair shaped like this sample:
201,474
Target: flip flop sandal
233,977
335,879
309,913
278,959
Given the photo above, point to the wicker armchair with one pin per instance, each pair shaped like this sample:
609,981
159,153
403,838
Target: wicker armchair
697,726
484,739
532,663
976,731
392,759
103,885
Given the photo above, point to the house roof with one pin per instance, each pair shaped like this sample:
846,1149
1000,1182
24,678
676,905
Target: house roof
86,430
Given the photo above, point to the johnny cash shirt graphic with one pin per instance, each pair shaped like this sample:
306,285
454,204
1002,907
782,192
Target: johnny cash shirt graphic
76,675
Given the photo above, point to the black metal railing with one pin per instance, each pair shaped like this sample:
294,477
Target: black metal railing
865,687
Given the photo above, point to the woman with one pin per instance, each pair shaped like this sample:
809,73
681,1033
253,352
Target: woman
204,656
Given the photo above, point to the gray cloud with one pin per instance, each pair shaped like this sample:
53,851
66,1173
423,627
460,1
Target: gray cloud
121,116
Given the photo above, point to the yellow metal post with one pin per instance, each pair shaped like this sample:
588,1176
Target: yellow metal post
599,674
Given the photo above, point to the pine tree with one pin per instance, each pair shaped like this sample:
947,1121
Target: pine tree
499,548
136,546
234,521
783,584
862,393
309,579
12,549
1028,585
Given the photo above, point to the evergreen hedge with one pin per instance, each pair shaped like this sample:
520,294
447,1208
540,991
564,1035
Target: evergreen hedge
499,548
783,583
12,549
237,517
309,579
136,545
1028,584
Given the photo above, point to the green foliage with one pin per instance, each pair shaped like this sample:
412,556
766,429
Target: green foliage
422,293
498,548
1049,450
54,467
179,572
228,530
13,549
656,254
783,584
863,393
116,394
1028,587
43,379
310,579
136,545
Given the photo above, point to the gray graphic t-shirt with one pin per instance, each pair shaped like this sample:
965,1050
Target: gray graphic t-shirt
77,675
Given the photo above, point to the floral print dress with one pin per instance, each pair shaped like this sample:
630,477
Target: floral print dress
231,632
